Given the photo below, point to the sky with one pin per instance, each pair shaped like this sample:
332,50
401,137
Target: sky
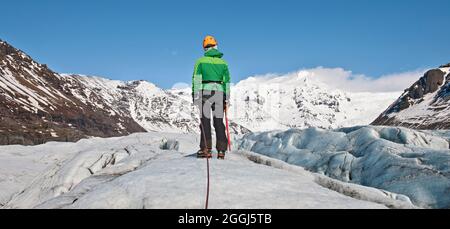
160,40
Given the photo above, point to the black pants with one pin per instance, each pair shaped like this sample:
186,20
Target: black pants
212,106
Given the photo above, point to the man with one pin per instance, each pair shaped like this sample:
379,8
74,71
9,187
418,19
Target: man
211,93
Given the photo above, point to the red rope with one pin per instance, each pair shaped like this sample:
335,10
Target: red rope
207,186
228,131
207,167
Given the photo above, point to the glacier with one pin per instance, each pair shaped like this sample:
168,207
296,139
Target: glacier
158,170
400,160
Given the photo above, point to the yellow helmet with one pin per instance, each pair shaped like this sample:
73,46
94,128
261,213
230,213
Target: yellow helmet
209,41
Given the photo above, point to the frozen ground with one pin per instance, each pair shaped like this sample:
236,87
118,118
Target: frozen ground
400,160
152,171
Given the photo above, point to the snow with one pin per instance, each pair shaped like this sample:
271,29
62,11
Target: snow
19,165
446,70
415,164
136,172
148,89
151,107
121,126
5,87
430,110
422,108
301,100
418,110
11,84
38,82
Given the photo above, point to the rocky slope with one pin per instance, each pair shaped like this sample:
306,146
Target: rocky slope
425,105
36,105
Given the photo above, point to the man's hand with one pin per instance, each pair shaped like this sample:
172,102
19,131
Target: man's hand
225,105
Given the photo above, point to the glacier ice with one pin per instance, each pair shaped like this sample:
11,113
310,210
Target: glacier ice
158,170
400,160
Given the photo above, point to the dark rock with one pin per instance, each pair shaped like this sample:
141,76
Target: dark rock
433,80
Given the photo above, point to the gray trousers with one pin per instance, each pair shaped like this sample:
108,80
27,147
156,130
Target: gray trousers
211,106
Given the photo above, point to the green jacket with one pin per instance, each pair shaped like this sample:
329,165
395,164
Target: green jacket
211,67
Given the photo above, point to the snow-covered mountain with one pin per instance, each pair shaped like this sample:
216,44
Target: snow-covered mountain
151,107
302,100
36,105
425,105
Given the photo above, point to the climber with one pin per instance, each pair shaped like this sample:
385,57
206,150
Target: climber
211,93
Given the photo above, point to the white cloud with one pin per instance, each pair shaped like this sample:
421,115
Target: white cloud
180,85
346,80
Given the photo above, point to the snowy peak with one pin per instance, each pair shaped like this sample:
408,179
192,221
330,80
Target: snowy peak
302,99
303,78
425,105
146,86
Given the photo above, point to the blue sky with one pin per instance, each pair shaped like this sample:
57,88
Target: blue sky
160,40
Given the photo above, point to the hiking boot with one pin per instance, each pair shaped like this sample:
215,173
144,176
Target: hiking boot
221,155
204,154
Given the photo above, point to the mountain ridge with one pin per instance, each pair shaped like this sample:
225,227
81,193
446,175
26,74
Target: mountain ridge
424,105
35,107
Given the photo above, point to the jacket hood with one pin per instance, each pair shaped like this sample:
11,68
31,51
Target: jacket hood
214,53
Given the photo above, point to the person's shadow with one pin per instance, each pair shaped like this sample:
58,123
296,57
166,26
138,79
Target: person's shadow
194,155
